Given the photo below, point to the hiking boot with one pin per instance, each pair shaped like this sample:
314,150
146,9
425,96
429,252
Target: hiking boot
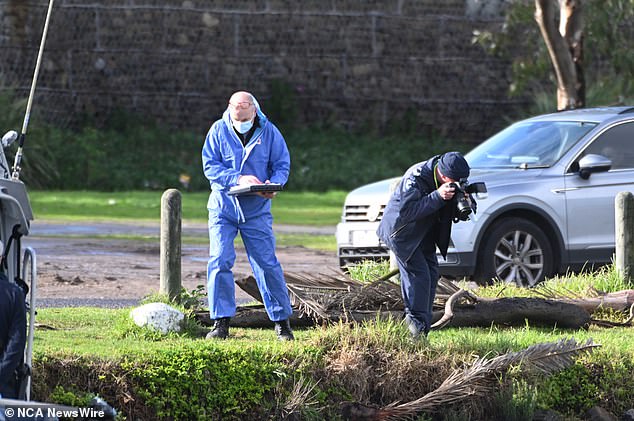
220,329
284,331
416,328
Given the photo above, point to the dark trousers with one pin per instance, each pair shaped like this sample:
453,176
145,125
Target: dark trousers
419,278
9,388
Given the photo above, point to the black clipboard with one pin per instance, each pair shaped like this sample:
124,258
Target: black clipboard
254,188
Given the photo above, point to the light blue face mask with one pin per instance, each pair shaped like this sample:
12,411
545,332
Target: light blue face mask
243,126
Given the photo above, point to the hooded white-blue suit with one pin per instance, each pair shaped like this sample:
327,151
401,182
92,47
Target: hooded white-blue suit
224,160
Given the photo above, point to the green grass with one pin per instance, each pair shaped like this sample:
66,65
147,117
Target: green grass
293,208
311,241
108,333
289,208
605,279
319,242
98,332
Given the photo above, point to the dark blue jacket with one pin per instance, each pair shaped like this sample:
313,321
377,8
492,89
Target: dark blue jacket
12,334
416,215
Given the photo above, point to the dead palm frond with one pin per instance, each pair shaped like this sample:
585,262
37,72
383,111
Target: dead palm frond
306,304
480,378
301,397
379,296
332,297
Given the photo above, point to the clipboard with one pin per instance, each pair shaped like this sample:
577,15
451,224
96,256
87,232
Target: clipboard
254,188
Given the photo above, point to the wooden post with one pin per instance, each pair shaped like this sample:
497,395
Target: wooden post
624,235
170,277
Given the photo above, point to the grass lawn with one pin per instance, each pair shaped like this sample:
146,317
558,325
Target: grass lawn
293,208
107,333
289,208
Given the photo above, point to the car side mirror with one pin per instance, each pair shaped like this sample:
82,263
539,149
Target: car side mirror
592,163
9,137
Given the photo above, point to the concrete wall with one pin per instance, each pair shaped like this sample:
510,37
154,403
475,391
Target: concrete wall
349,62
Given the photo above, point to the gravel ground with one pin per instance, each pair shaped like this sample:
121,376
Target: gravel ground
75,271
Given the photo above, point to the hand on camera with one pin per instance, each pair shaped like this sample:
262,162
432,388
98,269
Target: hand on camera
447,191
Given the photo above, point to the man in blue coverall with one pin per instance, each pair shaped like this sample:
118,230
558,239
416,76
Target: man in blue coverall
416,220
244,148
12,335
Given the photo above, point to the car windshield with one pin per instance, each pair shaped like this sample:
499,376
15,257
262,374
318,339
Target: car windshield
530,144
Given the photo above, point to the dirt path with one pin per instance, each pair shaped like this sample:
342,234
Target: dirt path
88,268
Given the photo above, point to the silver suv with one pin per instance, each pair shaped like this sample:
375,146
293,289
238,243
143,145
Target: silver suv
551,182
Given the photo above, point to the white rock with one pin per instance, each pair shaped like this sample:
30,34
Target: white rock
158,316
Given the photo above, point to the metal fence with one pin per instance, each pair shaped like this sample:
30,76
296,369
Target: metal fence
372,63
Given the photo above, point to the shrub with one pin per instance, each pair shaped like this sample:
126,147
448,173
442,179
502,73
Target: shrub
133,154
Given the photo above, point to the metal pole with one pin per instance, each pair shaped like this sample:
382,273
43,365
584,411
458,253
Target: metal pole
170,275
31,271
624,234
29,104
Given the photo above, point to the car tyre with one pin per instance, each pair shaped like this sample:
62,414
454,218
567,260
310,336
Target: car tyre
515,250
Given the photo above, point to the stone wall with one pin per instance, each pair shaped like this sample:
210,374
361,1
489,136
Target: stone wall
358,63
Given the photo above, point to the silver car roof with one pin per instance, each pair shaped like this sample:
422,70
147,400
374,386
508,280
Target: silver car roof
596,115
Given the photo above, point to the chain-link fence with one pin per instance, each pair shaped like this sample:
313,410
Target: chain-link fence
357,63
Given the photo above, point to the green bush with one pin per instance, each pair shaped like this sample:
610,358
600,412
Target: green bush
332,158
132,154
194,382
582,386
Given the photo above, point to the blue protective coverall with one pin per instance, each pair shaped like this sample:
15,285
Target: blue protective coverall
415,221
12,335
224,160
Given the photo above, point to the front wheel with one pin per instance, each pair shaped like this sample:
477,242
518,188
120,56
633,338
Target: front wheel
517,251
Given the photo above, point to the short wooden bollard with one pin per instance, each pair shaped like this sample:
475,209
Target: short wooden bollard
624,234
170,275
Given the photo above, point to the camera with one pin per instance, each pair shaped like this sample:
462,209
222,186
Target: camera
465,203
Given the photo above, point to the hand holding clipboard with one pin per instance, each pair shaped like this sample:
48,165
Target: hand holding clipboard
250,184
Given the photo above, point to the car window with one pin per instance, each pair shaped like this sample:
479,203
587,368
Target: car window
616,144
528,144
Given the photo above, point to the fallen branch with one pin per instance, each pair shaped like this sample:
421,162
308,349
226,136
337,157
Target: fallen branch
449,313
517,311
619,300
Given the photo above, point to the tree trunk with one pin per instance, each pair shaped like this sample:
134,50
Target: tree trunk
565,47
501,311
519,311
619,301
255,317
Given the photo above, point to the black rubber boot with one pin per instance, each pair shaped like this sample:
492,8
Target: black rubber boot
220,330
284,331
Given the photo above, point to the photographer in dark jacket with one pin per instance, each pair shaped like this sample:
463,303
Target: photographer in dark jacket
12,335
416,220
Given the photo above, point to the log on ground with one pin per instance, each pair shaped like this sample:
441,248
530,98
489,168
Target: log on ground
516,311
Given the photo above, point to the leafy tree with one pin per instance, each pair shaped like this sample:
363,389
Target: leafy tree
608,29
565,47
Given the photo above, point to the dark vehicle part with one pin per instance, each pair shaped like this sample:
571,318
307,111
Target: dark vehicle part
465,203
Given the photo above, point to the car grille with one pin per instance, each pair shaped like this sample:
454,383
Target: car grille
363,213
350,256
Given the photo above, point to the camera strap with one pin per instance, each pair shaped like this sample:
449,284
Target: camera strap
436,176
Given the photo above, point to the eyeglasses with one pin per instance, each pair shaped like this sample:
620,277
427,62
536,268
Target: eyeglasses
241,105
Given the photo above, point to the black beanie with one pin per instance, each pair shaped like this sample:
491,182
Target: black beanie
453,165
